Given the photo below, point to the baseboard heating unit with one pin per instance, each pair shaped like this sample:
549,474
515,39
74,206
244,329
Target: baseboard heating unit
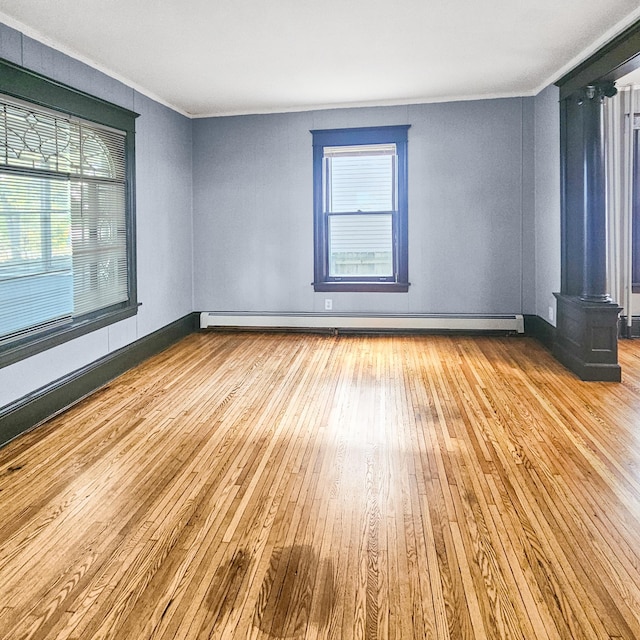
363,322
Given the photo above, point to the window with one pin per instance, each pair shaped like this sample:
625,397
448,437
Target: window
360,209
66,239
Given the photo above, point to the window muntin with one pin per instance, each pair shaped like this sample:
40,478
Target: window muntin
360,209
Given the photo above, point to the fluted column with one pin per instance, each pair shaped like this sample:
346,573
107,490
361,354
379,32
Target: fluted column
594,283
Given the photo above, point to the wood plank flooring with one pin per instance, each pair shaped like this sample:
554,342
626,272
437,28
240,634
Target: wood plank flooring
259,486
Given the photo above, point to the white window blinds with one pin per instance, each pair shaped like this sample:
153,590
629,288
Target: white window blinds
360,178
63,234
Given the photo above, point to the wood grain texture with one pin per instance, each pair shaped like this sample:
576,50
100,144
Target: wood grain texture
257,486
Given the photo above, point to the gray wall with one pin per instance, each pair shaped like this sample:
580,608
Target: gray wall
471,191
164,218
547,201
225,220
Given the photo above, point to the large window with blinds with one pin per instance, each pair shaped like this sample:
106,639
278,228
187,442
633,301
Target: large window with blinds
66,246
360,209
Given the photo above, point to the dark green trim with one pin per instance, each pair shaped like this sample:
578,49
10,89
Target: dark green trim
27,85
132,253
629,332
37,343
612,61
35,408
538,328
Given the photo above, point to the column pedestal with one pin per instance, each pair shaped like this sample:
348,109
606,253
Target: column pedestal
587,338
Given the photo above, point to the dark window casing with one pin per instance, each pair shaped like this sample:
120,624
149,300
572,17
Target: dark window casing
26,85
399,283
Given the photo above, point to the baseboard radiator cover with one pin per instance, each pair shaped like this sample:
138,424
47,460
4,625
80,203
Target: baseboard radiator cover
363,322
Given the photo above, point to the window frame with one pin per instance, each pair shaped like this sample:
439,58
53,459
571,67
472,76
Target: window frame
31,87
398,135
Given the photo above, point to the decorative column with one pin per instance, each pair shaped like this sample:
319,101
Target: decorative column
594,277
587,331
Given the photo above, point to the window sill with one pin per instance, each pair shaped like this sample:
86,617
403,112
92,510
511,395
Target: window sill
12,353
389,287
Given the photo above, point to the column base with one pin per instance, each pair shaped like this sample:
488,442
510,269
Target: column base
598,299
587,338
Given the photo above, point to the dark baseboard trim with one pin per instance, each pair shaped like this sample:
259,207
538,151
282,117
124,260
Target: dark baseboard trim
538,328
629,332
44,403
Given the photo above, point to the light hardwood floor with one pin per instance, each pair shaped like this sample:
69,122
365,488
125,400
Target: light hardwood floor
246,485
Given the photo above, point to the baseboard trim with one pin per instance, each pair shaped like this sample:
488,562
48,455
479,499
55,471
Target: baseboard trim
41,405
624,331
538,328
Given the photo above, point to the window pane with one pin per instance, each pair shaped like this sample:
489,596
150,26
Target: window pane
361,179
100,154
99,238
361,245
36,285
35,139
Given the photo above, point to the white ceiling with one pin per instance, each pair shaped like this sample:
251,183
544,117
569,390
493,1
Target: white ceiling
219,57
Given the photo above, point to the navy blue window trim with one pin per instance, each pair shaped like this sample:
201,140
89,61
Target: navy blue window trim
323,281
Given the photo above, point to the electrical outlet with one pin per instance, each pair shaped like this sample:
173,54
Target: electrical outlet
328,304
550,314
